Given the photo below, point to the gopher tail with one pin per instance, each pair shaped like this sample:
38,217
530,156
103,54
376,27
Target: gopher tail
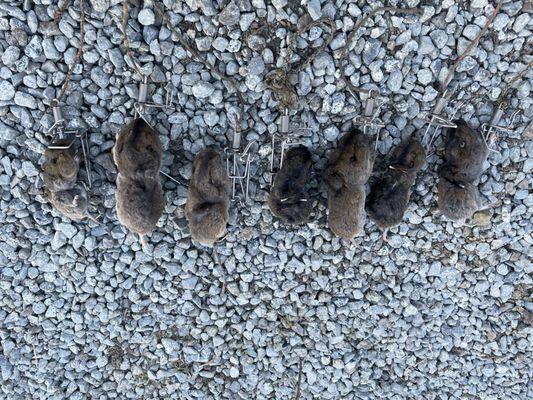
144,242
93,219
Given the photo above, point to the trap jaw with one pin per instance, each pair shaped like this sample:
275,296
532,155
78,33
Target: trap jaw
288,138
436,120
142,105
489,131
369,119
238,164
64,139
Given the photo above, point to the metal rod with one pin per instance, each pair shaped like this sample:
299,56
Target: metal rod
143,92
285,122
369,107
427,131
56,112
433,136
170,177
248,165
272,157
235,170
496,117
236,142
85,149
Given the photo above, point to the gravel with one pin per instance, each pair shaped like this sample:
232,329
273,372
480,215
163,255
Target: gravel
11,54
7,91
146,17
440,311
202,89
230,15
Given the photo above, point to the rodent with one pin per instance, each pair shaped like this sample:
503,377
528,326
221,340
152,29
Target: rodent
465,154
139,197
138,150
345,176
208,201
60,167
72,203
288,199
140,204
389,196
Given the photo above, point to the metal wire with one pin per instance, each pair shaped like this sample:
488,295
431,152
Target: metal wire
278,81
344,51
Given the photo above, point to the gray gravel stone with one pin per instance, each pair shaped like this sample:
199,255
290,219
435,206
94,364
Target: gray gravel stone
34,48
7,91
521,22
500,22
7,132
394,83
426,45
230,15
25,100
100,6
314,9
146,17
220,43
279,4
471,31
116,57
202,89
439,37
11,54
424,76
99,77
478,3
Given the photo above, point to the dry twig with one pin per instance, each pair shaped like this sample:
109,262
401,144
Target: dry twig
78,53
278,82
298,385
474,43
196,54
60,10
125,11
516,78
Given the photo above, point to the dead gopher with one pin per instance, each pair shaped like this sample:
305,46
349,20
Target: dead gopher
389,196
137,152
60,168
288,198
140,204
348,170
208,199
465,154
72,203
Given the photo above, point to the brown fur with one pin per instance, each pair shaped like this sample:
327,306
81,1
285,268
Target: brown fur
60,168
389,196
456,202
137,152
207,207
140,204
348,170
288,198
465,153
347,215
72,203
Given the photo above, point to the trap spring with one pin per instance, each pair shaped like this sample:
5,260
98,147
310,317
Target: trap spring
70,136
238,164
